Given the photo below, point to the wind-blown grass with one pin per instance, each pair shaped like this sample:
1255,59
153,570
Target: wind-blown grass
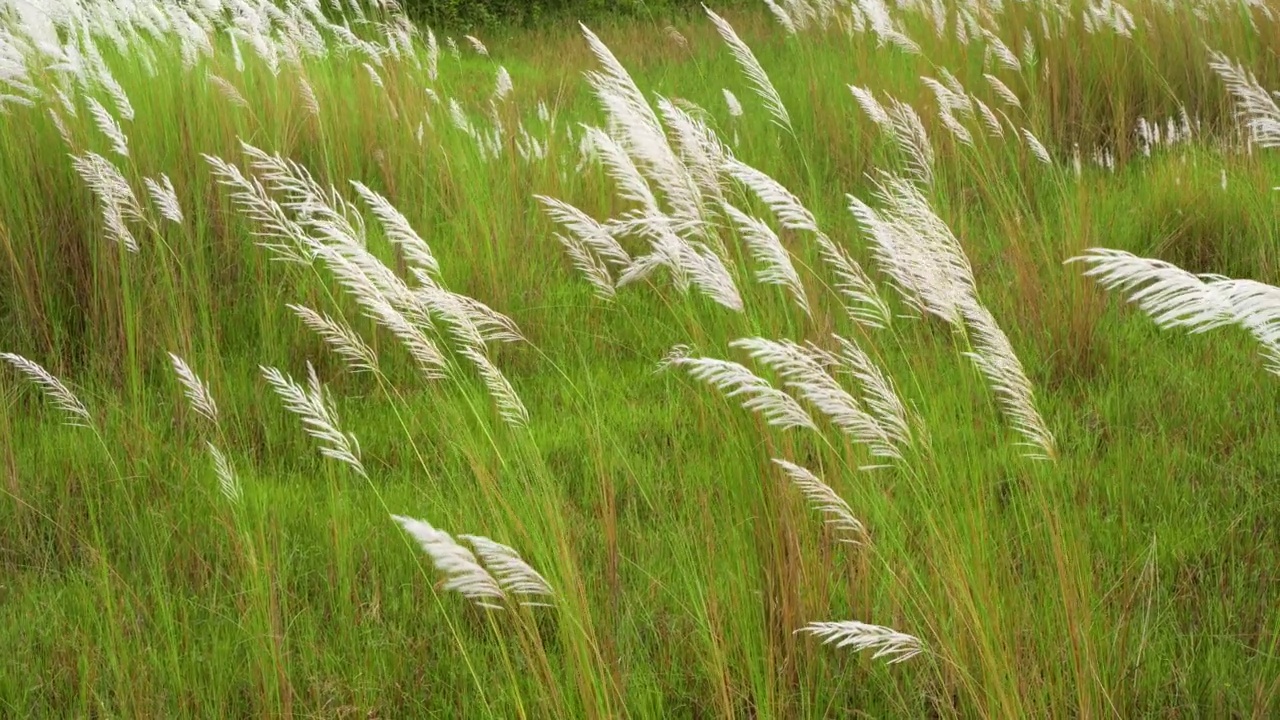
815,219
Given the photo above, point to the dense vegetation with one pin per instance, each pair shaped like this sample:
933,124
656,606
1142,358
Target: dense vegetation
730,368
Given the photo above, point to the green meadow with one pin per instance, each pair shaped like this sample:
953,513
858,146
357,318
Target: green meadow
808,359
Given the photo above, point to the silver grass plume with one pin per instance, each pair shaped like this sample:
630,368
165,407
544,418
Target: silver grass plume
228,90
1174,297
1255,107
879,394
1038,150
462,571
887,642
1003,92
115,196
835,511
778,408
108,126
804,370
754,72
398,229
63,398
197,392
864,304
319,419
510,407
769,253
341,337
585,230
514,575
165,198
995,357
917,250
228,481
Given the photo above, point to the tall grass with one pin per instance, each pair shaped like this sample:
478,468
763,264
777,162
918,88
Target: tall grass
732,368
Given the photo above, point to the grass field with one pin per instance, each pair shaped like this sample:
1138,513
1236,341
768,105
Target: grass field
728,368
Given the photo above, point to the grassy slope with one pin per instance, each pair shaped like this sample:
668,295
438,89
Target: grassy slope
1136,576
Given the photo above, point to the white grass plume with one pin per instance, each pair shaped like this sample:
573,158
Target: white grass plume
228,481
586,230
115,196
513,574
1172,296
916,249
228,90
778,408
398,229
319,419
109,127
478,46
754,72
509,405
165,198
732,103
995,357
586,261
879,393
1255,107
1002,91
836,512
769,252
197,392
864,303
463,572
341,337
887,642
1038,150
63,398
804,370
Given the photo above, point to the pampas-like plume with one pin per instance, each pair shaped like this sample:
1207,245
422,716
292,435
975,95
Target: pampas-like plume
513,574
804,370
194,388
318,417
165,198
477,45
887,642
228,89
917,250
63,398
464,574
1174,297
878,391
586,230
769,252
995,357
1037,148
510,407
732,103
115,196
835,510
502,85
596,272
1255,107
778,408
341,337
754,72
865,305
109,127
228,481
398,229
1003,92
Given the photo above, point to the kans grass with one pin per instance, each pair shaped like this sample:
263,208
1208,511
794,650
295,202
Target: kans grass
733,367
